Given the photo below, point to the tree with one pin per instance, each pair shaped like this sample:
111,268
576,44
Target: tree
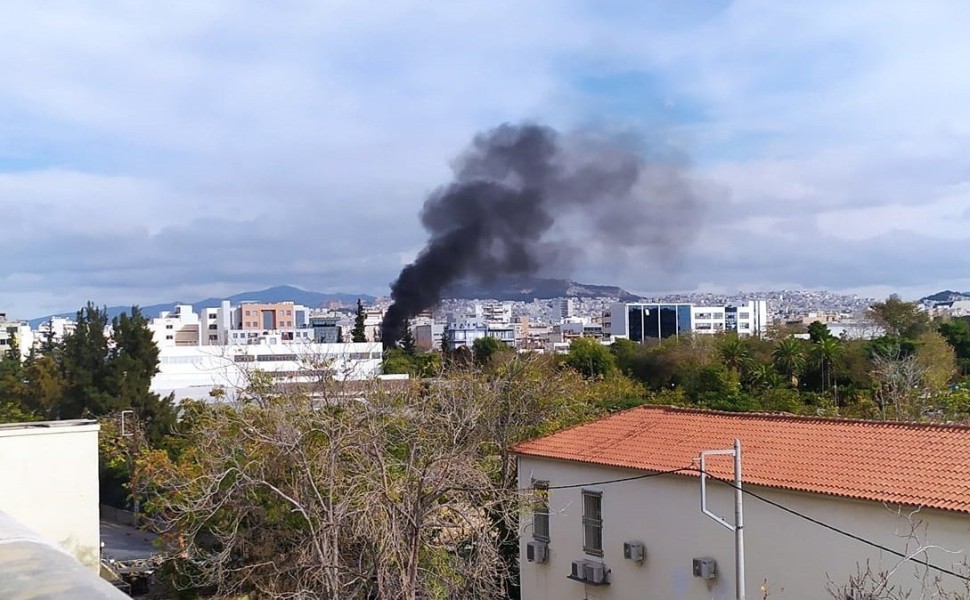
957,333
818,331
789,358
407,341
102,374
410,493
903,319
483,349
734,354
359,333
84,364
938,361
590,358
827,353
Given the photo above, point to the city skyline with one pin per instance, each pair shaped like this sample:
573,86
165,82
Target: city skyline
194,151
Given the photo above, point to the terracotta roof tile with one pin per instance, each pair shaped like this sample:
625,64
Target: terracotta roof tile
900,463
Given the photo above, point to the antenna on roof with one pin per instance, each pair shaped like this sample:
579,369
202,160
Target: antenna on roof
738,526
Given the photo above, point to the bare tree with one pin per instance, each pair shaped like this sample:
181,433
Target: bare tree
356,489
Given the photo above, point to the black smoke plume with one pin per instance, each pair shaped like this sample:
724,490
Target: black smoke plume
511,187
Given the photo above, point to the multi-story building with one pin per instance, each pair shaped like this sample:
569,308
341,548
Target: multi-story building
283,317
326,330
562,309
462,332
641,321
15,334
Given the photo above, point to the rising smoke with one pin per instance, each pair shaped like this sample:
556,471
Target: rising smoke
511,187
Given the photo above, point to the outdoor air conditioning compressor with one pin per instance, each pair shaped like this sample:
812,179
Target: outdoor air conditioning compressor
705,568
634,551
537,552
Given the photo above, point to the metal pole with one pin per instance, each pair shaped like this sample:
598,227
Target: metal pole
738,522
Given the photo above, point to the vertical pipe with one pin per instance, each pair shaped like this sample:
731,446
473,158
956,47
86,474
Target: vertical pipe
738,522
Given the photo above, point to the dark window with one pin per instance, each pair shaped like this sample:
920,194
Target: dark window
213,326
244,358
540,511
593,523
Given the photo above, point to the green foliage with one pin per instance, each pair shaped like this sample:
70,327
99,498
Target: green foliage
359,333
818,331
789,357
898,318
407,342
484,349
590,358
957,334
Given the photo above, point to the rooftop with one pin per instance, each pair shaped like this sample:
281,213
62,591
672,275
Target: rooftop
66,423
899,463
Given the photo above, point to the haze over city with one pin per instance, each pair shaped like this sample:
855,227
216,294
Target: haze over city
186,151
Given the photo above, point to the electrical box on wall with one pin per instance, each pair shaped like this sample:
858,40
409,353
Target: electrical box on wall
705,568
634,551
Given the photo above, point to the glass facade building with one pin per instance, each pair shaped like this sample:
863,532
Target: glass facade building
657,320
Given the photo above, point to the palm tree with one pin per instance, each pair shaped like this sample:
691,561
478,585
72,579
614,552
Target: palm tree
765,377
828,352
789,358
734,354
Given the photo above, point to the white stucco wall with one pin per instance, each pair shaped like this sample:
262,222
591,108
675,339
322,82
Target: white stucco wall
49,483
796,558
192,372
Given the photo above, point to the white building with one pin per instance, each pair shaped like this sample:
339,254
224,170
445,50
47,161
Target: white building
15,333
461,332
49,483
630,483
195,371
562,309
640,321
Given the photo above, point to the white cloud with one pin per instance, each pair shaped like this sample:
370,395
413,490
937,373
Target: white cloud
154,150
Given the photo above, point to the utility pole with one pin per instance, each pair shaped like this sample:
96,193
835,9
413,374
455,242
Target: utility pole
738,526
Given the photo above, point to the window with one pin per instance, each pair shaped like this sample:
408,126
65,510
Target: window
593,523
540,511
168,337
169,326
213,326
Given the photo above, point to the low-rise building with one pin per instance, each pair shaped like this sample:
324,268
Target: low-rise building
617,512
196,371
49,483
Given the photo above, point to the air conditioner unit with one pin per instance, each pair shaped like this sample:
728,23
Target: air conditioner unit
596,572
537,552
705,568
634,551
578,570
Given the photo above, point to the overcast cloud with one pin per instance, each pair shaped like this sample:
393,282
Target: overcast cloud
179,150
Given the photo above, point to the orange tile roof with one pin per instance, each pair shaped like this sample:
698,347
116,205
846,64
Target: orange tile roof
899,463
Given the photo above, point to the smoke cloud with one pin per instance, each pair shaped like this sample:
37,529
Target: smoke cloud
514,185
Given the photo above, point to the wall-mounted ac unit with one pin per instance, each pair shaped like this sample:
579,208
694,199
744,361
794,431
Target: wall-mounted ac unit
596,572
634,551
537,552
705,568
578,570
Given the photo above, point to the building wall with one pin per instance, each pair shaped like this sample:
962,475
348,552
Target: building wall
795,557
192,372
49,483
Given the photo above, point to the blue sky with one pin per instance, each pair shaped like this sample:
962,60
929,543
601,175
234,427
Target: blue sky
185,150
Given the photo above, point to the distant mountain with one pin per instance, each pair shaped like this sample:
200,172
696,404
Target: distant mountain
529,288
944,296
279,293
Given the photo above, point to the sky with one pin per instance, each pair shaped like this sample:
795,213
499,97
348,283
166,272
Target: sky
154,152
